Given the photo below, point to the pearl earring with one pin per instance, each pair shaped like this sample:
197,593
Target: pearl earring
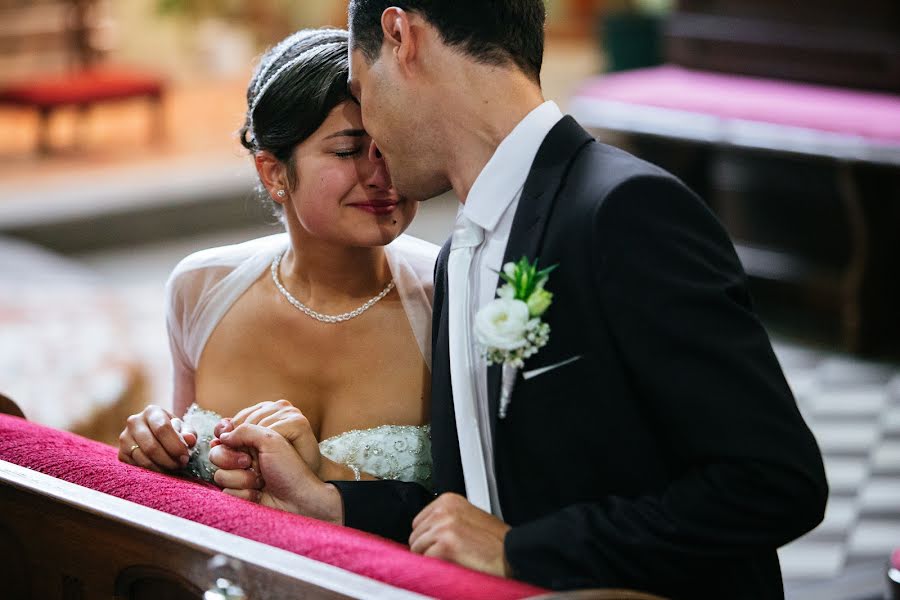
280,193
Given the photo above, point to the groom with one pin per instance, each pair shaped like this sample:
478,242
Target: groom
653,443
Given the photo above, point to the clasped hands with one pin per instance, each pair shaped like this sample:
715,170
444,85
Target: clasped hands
273,438
269,454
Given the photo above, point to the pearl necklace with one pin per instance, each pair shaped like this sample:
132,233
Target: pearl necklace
317,315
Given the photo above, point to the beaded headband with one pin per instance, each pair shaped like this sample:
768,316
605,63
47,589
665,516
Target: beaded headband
262,84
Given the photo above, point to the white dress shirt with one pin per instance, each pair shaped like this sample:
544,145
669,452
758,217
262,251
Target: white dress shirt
492,204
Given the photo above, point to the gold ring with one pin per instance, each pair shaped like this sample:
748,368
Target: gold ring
133,448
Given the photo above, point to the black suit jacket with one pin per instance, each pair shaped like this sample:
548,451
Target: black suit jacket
671,456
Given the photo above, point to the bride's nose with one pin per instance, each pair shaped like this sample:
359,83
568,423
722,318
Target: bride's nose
379,176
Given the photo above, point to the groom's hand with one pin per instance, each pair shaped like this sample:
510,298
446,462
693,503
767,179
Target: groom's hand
284,480
453,529
284,418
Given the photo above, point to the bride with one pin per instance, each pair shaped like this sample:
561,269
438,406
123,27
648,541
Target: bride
325,327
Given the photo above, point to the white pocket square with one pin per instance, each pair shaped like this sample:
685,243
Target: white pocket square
526,375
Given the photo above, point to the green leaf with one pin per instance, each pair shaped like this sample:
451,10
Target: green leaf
546,272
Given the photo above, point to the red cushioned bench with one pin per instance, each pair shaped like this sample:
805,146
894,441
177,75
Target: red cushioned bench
82,89
777,160
77,523
64,521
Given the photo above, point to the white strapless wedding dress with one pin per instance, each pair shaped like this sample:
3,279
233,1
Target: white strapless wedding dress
398,452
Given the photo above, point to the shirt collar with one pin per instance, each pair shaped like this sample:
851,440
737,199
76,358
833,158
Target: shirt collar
503,177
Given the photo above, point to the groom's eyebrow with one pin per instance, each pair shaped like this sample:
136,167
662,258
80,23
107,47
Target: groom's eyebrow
347,133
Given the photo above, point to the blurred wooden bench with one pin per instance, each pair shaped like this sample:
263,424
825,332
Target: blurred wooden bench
806,178
846,43
77,79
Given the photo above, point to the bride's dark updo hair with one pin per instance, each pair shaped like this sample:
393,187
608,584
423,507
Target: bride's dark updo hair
296,85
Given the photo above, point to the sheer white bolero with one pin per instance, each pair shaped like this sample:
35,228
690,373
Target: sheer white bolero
205,285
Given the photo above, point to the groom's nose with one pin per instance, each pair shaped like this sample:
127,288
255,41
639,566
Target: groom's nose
379,177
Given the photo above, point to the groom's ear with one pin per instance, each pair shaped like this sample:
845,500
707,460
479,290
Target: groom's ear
400,35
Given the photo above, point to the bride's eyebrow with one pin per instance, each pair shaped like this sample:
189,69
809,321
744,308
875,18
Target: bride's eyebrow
347,133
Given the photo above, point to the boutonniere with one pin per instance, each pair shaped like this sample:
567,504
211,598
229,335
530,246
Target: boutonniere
509,329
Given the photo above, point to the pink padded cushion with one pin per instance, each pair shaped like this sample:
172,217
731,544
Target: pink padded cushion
870,115
94,465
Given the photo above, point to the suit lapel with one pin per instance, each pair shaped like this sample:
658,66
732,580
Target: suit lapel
548,172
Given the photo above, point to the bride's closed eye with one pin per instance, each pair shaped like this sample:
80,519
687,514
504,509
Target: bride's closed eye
348,153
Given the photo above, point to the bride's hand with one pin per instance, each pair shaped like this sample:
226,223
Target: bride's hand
285,419
155,439
281,479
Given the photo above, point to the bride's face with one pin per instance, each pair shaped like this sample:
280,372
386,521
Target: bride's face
344,192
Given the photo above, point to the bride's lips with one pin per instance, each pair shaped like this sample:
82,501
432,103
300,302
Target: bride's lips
377,207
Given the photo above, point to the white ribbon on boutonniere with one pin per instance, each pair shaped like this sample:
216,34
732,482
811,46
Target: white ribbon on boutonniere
509,329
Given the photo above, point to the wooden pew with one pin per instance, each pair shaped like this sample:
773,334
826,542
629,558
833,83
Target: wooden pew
64,541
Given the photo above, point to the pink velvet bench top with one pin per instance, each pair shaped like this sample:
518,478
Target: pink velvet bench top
717,107
94,465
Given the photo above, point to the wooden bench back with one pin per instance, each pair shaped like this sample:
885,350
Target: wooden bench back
62,541
853,43
47,36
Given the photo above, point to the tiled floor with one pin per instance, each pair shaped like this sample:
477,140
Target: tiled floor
853,407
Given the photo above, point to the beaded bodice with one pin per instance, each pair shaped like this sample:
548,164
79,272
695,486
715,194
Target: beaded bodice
399,452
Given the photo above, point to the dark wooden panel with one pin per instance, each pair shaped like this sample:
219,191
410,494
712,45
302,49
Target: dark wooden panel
817,236
14,572
876,15
835,42
8,407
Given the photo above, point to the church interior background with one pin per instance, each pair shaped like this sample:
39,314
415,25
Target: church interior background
99,199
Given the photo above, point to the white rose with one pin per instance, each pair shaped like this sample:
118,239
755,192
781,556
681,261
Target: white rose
510,269
502,324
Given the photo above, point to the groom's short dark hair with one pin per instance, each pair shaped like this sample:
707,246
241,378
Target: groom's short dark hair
496,32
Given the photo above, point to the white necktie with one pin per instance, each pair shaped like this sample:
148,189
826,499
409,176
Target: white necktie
467,236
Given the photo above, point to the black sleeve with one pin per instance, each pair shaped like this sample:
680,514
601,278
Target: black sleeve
385,508
750,477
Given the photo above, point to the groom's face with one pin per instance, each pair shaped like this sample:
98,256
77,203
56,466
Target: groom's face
401,125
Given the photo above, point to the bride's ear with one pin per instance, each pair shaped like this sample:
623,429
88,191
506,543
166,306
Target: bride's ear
273,175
